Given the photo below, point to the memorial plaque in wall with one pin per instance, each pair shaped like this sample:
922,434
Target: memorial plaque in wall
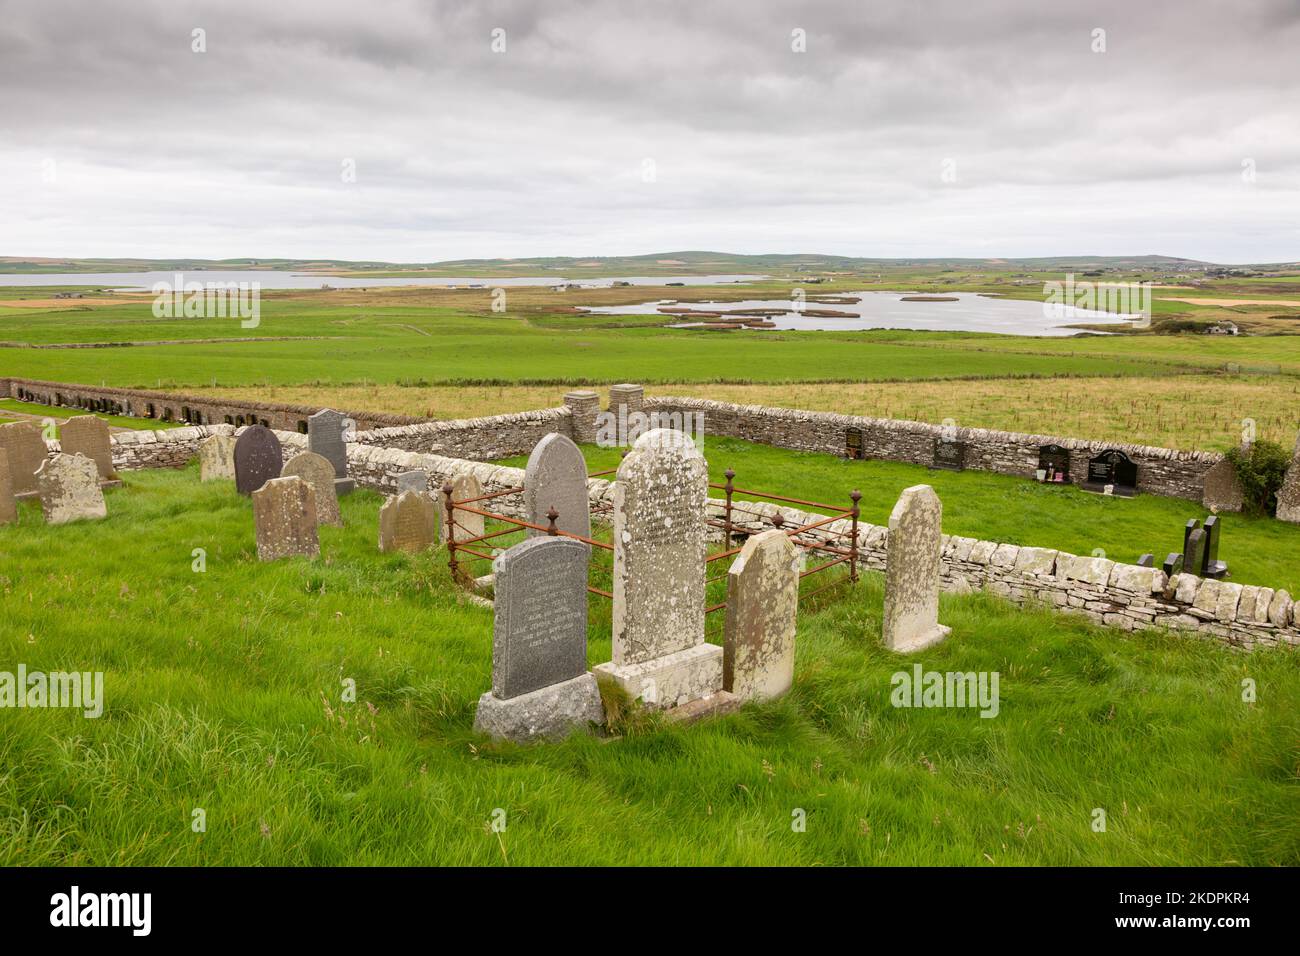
949,454
1112,467
1054,463
853,443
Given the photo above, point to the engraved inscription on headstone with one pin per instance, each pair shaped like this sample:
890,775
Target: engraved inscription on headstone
408,522
556,477
284,517
853,443
258,458
217,458
327,437
69,489
27,451
1114,469
949,453
88,435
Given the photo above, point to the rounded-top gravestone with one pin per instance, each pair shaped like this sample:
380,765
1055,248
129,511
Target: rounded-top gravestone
258,458
556,477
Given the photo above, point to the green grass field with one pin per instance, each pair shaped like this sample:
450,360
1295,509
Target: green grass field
60,414
222,692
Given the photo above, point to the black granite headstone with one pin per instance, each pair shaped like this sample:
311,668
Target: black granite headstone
1211,566
1193,554
1173,564
257,459
853,443
1112,467
1192,525
1054,462
949,454
1147,560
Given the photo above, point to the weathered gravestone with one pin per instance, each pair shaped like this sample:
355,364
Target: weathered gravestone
69,489
417,480
556,477
327,437
217,458
318,473
284,515
1288,496
408,522
911,617
8,504
1054,464
1222,490
1173,564
27,451
464,487
1114,470
659,549
762,602
540,684
88,435
258,458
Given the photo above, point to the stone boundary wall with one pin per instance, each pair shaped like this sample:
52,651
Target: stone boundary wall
1161,471
1118,595
178,407
476,439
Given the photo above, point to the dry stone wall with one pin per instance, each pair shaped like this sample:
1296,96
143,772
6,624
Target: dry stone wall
497,436
1161,471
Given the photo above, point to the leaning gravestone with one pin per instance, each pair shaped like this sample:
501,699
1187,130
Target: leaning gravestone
556,477
762,602
327,437
8,504
258,458
417,480
318,473
1194,551
912,572
1288,496
69,489
408,522
464,487
88,435
27,451
1222,490
659,547
217,458
1211,566
540,684
284,515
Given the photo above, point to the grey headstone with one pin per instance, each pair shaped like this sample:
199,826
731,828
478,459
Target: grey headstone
408,522
258,458
1288,496
659,548
417,480
69,489
27,451
540,633
1194,551
8,504
327,436
217,458
762,603
556,477
318,473
88,435
284,516
911,615
1222,490
464,487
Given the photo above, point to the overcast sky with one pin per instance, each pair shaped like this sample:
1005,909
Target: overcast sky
917,128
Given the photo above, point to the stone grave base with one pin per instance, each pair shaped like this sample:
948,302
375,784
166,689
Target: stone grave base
344,486
715,705
546,714
925,640
672,680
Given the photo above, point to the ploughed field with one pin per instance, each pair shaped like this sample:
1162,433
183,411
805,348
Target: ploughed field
223,693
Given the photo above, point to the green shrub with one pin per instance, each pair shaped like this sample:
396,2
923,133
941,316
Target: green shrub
1261,470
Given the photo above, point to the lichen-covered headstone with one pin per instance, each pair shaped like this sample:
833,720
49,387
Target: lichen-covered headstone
911,616
1222,489
762,603
1288,496
415,480
69,489
217,458
258,458
27,451
318,473
8,504
556,477
464,487
284,515
540,684
88,435
659,548
408,522
327,437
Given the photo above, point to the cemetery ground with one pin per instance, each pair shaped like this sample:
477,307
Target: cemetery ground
223,693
